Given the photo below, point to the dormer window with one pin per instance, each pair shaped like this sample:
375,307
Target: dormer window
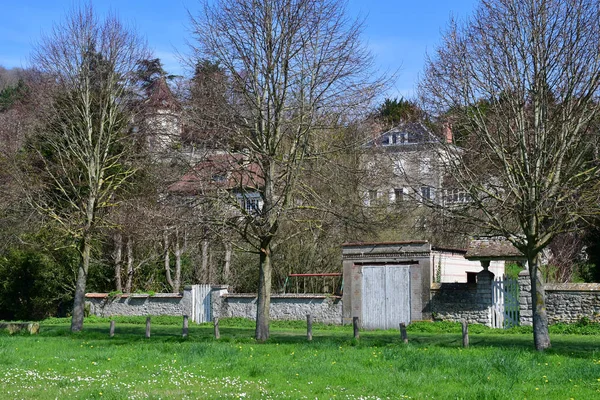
219,178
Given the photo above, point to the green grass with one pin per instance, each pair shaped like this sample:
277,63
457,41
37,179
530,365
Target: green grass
497,365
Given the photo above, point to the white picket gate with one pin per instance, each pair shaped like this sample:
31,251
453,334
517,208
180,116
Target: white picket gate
201,306
505,302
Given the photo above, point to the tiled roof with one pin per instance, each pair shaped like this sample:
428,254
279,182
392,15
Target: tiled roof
219,171
492,248
160,96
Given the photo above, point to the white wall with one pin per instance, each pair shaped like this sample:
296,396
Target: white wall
454,267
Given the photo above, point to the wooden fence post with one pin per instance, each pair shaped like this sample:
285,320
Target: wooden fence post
309,327
217,333
185,326
147,327
355,325
112,328
465,333
403,334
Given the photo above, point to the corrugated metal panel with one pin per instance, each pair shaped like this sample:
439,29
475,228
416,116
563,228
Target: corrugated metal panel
385,296
201,303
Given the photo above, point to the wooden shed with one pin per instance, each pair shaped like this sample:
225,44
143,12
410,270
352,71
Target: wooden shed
389,283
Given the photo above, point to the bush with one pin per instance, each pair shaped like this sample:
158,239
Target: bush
34,285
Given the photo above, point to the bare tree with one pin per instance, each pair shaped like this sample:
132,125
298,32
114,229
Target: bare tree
82,149
521,78
296,68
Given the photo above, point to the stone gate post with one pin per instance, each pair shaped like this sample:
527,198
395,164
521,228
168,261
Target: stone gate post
484,290
525,310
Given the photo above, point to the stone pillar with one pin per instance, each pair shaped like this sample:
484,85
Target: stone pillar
217,303
525,310
187,306
484,293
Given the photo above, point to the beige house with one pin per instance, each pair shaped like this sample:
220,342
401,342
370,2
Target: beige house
408,163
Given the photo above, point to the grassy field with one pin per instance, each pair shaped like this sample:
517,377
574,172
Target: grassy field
497,365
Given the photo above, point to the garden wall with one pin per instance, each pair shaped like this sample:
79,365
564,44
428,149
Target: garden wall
103,305
323,308
565,302
468,301
326,309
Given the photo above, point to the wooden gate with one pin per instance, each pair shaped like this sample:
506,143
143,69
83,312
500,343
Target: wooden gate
385,296
201,304
505,302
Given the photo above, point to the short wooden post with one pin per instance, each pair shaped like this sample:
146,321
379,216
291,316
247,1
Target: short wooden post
465,333
185,326
217,333
112,328
355,325
309,327
147,327
403,334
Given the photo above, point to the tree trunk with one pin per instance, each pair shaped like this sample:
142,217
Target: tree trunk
167,258
79,301
204,268
118,259
178,251
130,260
227,266
541,337
264,295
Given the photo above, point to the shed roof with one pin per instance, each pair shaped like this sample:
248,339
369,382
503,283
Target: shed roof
492,248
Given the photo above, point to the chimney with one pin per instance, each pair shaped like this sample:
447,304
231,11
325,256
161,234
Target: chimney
448,132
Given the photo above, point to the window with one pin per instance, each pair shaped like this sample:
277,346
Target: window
385,140
456,196
427,193
220,178
399,195
372,196
404,137
471,277
251,202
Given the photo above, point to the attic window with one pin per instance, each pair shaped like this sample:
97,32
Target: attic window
404,137
220,178
385,140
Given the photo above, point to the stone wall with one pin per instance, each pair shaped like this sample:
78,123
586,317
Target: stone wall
468,301
565,302
102,305
326,309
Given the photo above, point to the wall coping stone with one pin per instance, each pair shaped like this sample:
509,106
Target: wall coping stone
283,296
132,295
436,286
572,287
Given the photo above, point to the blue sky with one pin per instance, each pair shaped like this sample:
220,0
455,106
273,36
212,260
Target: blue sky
399,33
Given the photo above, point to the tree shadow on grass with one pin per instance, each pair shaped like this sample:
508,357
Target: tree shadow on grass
567,345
